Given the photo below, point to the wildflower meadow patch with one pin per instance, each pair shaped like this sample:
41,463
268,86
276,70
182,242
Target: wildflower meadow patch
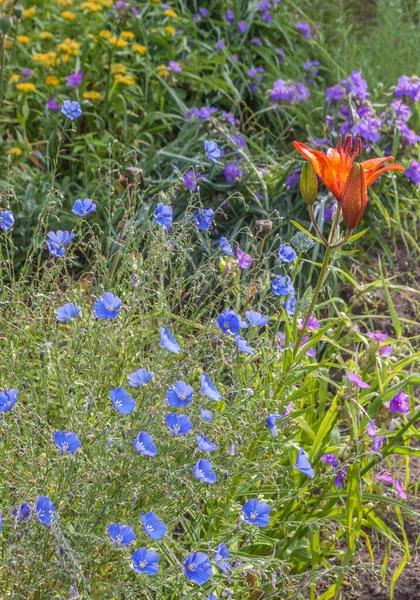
209,303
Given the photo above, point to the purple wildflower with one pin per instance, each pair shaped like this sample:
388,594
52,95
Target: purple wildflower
400,403
232,172
242,26
413,172
304,28
75,79
357,381
244,260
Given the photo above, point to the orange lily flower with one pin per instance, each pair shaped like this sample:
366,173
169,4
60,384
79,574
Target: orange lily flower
335,166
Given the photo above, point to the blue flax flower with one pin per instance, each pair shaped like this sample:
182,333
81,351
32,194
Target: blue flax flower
71,109
209,390
206,414
83,207
145,561
178,424
163,214
8,399
67,312
140,377
179,394
271,423
243,346
66,441
228,322
225,247
6,219
107,306
168,342
204,218
144,444
121,535
152,525
121,401
57,240
23,512
282,286
222,553
45,510
197,567
256,319
212,150
286,253
302,464
203,471
204,444
290,305
256,513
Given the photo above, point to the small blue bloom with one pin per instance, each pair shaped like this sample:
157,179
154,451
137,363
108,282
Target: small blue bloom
66,441
57,240
107,306
282,286
206,414
209,390
204,218
140,377
45,510
6,219
302,464
168,342
243,346
256,319
225,247
67,312
23,512
152,525
71,109
212,597
8,399
203,470
197,567
178,424
204,444
179,394
212,150
83,207
145,561
290,305
271,423
121,401
144,444
256,513
228,322
286,253
121,535
163,214
222,553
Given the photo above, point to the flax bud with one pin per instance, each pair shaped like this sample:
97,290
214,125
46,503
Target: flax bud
354,198
308,184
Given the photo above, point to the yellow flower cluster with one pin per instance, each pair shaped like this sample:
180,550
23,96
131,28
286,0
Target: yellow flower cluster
169,12
105,33
92,6
23,39
52,80
171,30
46,59
161,70
26,87
125,79
65,2
45,35
127,35
29,12
139,49
14,151
118,42
69,46
68,15
118,68
14,78
92,95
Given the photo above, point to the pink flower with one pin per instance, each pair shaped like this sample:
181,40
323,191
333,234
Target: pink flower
245,260
400,403
353,378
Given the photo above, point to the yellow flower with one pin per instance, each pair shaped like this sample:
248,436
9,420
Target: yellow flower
118,68
139,49
65,2
169,12
69,16
91,6
8,44
23,39
26,87
14,78
127,35
105,33
125,79
117,42
170,30
52,80
29,12
63,59
153,30
161,70
91,95
46,59
14,151
69,46
156,1
45,35
106,3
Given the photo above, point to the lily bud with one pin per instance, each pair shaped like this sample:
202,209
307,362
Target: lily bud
355,198
308,184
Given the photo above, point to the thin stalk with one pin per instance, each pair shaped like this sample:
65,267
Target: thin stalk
131,191
2,65
316,227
